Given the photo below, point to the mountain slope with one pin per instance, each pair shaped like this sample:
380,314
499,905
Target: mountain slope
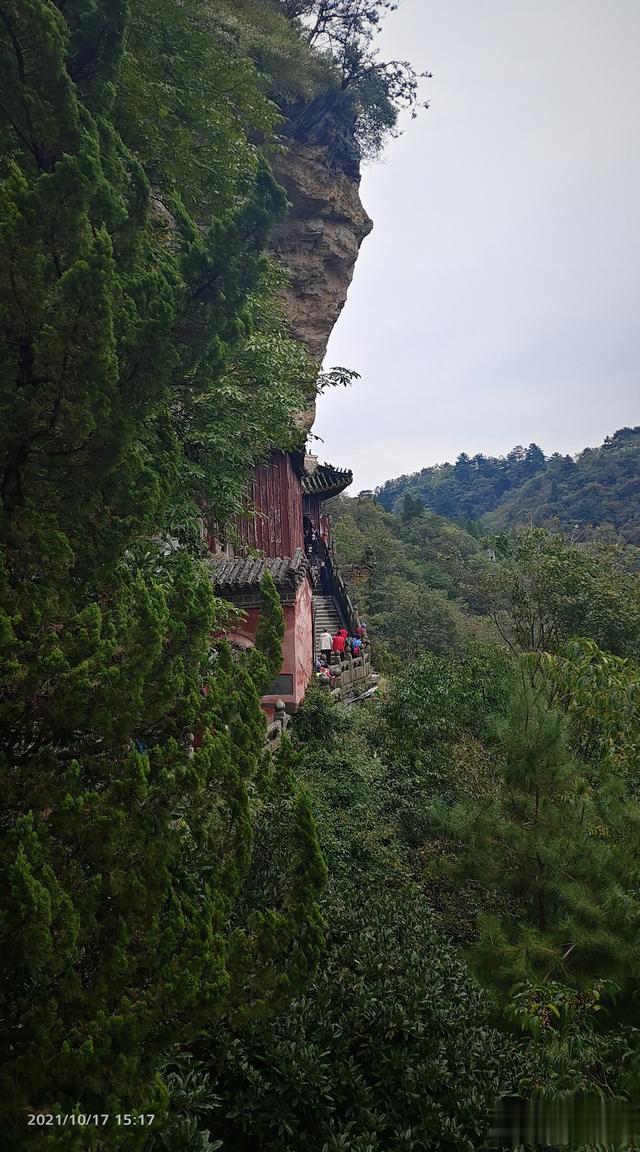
598,487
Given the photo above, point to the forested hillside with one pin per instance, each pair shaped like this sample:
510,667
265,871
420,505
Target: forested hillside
140,318
360,940
146,367
425,583
480,823
598,488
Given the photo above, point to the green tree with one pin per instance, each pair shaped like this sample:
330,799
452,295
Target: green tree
274,958
574,1043
374,90
390,1049
404,576
534,461
559,848
600,695
411,619
433,700
600,485
411,507
270,630
462,468
544,589
123,850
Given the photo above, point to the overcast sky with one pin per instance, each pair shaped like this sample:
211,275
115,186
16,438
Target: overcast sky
496,301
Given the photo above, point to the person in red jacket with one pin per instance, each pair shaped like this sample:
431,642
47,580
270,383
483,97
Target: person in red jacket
339,642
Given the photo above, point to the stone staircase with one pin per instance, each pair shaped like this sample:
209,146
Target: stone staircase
326,616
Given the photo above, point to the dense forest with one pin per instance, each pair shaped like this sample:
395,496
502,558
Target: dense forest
414,906
599,489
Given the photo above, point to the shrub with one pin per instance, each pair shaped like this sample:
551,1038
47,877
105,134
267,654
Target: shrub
390,1049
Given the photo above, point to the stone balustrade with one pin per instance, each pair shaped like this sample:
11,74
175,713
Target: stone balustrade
346,671
278,725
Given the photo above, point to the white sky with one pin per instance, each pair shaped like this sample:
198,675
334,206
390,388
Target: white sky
496,300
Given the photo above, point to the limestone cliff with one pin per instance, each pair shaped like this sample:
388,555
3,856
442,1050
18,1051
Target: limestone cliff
318,242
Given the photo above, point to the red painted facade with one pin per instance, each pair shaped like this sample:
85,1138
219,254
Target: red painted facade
297,647
297,650
274,527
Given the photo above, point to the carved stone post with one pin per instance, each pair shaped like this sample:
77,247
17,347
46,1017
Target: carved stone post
279,713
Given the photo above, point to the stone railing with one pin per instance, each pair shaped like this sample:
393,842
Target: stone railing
278,725
346,607
346,671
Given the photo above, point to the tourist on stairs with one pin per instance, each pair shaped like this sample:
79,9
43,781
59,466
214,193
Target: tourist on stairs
339,642
325,579
326,643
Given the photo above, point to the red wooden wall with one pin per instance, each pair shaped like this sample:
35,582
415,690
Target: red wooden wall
276,493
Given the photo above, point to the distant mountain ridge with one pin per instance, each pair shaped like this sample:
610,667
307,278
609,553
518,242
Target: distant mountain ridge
600,487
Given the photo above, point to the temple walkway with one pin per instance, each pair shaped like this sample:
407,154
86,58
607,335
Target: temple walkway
326,617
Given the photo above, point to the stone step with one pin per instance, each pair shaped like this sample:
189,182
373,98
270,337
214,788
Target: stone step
327,617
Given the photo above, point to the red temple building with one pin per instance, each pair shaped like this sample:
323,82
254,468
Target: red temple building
286,497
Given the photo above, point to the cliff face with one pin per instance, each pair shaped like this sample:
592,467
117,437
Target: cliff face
318,242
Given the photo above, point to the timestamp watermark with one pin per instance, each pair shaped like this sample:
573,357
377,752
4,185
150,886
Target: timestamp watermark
90,1119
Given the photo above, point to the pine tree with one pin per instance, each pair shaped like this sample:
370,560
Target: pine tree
412,507
462,468
534,461
558,851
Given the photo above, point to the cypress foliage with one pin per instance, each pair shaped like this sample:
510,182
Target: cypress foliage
269,634
122,851
277,956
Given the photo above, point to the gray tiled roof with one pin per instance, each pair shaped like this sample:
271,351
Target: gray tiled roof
244,573
326,480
